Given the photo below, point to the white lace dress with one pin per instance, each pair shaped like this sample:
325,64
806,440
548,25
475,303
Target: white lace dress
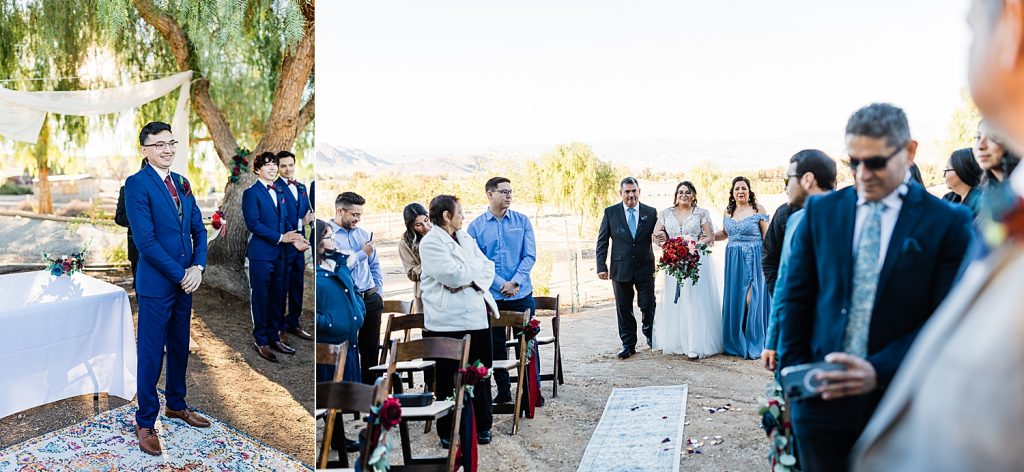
693,324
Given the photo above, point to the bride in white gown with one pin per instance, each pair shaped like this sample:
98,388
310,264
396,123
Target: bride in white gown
691,324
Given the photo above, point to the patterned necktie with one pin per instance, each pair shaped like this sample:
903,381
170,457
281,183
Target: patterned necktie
865,283
632,222
174,192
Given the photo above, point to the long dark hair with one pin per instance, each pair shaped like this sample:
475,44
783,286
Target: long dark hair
688,184
1007,164
410,213
320,233
732,199
966,167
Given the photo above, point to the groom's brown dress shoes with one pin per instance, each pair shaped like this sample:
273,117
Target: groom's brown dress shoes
299,333
149,442
189,416
282,348
266,353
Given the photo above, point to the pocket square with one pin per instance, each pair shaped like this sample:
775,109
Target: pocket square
911,245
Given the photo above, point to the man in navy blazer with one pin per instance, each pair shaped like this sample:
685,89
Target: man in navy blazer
266,215
297,200
171,239
869,265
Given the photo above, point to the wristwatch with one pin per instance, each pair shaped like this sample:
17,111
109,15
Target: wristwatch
201,268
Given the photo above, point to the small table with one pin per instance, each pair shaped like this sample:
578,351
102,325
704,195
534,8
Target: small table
62,337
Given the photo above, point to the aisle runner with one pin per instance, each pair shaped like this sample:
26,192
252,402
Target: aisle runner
107,442
640,429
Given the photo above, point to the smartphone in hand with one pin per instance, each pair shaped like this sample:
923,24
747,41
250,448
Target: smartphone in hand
798,381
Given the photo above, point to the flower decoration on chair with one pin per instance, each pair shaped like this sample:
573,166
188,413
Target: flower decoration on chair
680,258
65,265
219,223
382,418
775,422
239,164
531,330
472,374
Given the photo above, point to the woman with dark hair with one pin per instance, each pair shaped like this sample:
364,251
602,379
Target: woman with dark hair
746,302
690,315
963,177
339,307
455,278
995,159
417,224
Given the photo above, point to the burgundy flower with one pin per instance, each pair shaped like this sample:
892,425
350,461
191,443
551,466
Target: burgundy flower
66,265
470,376
390,413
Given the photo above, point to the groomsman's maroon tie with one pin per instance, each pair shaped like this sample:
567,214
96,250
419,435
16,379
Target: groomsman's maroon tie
170,188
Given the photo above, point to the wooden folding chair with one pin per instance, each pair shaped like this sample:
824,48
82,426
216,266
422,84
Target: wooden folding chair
348,396
551,304
336,355
404,323
431,348
513,319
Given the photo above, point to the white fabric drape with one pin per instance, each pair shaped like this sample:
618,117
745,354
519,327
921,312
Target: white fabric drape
22,113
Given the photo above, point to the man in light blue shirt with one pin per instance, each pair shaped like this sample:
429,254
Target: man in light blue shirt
506,238
365,266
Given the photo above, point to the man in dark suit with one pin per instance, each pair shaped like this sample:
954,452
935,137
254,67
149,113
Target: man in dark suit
169,232
869,265
121,218
297,201
266,215
629,226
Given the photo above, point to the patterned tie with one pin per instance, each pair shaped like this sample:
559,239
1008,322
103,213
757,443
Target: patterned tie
865,283
174,192
632,222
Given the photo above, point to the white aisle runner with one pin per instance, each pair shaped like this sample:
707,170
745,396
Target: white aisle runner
640,429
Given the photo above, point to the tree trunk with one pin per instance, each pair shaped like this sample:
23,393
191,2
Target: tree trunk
43,166
288,116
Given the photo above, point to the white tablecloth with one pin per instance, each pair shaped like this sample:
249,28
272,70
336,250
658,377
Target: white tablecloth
61,337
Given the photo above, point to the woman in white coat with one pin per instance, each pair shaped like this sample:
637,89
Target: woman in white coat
454,278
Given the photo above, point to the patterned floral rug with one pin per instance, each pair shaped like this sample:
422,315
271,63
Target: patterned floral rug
107,443
641,429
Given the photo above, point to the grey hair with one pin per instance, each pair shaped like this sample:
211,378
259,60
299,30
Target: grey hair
629,181
880,120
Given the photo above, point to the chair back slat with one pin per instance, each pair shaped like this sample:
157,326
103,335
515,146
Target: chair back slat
333,354
430,348
509,318
403,307
404,322
547,303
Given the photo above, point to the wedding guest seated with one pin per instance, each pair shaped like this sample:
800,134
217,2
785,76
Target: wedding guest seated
963,177
454,279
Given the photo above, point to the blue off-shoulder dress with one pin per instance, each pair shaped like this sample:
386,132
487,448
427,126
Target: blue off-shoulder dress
744,327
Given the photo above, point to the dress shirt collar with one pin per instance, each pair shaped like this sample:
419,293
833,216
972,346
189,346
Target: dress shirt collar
894,199
626,208
264,182
161,172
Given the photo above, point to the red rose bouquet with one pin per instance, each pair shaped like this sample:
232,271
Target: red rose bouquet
680,258
473,374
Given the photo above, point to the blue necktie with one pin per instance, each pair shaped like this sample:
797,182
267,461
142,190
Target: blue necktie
632,222
865,283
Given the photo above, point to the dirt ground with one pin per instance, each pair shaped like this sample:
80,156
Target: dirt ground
226,379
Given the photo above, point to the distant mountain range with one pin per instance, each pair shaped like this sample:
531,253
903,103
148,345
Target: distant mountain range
659,154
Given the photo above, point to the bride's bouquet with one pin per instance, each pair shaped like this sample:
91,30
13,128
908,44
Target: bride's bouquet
680,258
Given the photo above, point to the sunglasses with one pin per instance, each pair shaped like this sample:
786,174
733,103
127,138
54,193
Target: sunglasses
785,181
873,163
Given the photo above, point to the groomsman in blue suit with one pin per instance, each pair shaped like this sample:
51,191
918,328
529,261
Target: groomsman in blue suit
171,239
868,266
266,215
297,201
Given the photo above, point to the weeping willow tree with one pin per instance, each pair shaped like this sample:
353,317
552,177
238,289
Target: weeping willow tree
579,182
252,84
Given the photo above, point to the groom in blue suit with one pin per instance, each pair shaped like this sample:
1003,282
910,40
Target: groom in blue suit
266,216
869,265
171,239
297,200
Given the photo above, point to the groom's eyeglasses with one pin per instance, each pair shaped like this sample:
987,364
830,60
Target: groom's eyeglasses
873,163
162,146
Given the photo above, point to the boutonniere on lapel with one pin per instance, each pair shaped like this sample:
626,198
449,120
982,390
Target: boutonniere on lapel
643,218
280,192
185,187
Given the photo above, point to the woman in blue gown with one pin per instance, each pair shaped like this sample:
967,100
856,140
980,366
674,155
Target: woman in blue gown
746,302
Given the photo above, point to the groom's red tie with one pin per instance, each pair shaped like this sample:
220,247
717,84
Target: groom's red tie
170,188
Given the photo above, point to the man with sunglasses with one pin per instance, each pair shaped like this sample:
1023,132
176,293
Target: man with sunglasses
956,402
870,263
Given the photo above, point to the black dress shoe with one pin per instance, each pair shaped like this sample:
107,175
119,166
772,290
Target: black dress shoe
503,397
483,438
351,445
626,352
282,347
265,352
446,444
650,343
299,333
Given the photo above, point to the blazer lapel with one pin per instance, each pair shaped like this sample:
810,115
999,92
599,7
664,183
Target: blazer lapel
847,214
909,214
162,188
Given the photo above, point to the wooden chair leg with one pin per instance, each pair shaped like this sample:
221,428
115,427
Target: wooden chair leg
428,388
521,376
554,378
558,352
325,448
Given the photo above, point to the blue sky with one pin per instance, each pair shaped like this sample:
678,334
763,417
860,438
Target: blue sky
473,73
